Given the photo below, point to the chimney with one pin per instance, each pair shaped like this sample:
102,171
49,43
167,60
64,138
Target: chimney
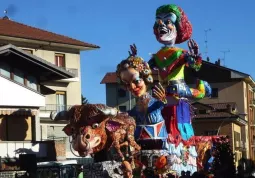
6,17
217,62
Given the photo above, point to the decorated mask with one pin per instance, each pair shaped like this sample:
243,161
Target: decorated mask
134,73
172,25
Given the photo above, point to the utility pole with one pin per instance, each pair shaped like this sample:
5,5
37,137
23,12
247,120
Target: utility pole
206,42
224,56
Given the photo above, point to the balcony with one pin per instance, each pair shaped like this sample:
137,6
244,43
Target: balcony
54,107
51,110
73,71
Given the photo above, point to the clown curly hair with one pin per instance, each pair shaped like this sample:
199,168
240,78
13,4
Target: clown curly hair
138,64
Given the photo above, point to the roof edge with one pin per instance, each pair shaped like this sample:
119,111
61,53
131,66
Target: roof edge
48,43
223,67
13,48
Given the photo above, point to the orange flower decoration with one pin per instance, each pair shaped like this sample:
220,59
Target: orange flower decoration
161,162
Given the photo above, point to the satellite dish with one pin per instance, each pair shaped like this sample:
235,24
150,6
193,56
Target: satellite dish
53,115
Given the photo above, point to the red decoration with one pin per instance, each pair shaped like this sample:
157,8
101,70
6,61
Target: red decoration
184,28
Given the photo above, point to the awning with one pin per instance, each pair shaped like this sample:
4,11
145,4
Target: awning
34,65
18,111
46,90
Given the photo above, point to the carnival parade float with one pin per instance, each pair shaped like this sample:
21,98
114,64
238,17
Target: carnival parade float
156,137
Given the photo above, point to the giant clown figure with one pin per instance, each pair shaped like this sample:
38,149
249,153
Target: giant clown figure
172,27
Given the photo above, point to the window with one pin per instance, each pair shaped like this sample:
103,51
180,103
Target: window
61,101
121,93
32,82
60,60
30,51
18,76
123,108
237,139
214,92
5,69
237,136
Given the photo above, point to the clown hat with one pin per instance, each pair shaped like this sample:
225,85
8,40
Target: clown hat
183,25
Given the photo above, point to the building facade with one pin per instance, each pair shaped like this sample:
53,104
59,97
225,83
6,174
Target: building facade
221,119
48,66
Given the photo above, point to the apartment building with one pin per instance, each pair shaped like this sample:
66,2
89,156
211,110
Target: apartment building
45,63
220,119
228,85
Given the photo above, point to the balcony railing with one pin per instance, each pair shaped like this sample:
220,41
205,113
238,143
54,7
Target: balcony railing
55,107
71,70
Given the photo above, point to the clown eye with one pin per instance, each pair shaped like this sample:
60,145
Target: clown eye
95,125
137,81
168,21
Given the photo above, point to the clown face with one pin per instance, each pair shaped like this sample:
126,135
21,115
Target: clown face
133,82
165,29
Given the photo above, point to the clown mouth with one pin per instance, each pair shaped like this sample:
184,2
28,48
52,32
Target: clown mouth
137,91
163,31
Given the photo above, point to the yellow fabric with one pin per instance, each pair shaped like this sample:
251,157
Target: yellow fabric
177,74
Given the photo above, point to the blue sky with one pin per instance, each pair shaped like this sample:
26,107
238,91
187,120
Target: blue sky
115,24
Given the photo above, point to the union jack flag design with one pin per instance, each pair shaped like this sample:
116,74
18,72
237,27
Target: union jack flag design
154,131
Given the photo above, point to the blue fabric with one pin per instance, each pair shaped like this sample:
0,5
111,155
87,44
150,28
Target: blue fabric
188,130
184,119
150,130
153,116
208,165
182,131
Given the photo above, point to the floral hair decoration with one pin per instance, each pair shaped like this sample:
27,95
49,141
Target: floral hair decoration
136,62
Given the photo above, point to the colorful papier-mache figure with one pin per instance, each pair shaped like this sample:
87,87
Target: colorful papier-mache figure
135,74
172,27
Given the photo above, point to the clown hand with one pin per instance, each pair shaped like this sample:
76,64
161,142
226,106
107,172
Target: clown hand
194,58
159,93
193,48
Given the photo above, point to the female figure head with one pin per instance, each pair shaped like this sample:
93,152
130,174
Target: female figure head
135,74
